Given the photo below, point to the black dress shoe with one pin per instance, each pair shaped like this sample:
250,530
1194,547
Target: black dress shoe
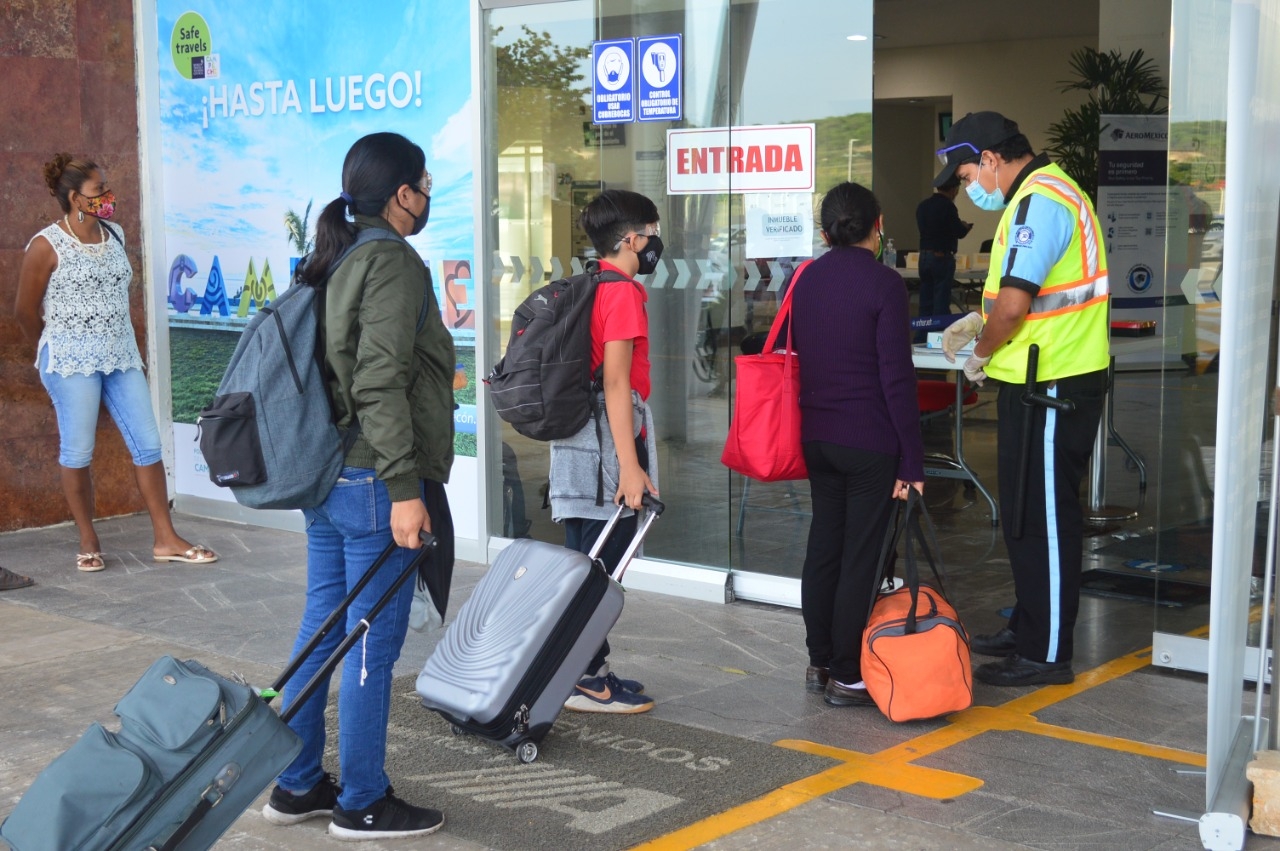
1016,671
815,679
1002,643
837,695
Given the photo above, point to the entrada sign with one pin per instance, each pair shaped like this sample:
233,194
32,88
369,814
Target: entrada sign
771,158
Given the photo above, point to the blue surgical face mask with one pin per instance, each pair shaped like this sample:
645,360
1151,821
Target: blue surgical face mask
981,198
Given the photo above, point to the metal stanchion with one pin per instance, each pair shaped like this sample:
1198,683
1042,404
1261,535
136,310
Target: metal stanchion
1097,510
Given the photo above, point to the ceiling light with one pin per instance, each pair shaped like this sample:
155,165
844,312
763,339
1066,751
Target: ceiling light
856,37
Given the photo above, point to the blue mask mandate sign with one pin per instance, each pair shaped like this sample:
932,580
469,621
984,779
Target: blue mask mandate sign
660,78
613,99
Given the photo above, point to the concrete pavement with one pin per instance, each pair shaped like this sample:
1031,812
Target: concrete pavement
1076,767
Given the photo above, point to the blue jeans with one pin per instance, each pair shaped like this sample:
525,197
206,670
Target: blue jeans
76,400
345,534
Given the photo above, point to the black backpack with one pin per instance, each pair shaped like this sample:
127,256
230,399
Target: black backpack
543,386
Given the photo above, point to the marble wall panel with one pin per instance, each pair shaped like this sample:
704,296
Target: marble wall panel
109,111
39,28
27,203
39,104
104,31
70,84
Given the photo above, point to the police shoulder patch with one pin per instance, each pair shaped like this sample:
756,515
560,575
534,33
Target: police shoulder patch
1023,236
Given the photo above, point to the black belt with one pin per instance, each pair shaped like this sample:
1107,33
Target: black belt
937,253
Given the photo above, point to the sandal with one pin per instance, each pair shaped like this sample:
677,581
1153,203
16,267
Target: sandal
90,562
198,554
10,581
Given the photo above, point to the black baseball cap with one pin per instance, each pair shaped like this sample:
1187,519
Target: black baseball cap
969,137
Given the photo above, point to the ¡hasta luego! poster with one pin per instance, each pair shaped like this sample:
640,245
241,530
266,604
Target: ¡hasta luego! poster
257,113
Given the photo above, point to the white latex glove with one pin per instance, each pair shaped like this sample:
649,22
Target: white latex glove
960,334
973,369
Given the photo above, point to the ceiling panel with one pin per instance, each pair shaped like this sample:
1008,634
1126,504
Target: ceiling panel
915,23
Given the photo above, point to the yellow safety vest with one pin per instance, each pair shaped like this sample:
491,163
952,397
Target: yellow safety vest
1068,319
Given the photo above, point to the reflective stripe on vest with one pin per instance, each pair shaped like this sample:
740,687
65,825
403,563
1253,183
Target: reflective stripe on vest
1061,299
1067,318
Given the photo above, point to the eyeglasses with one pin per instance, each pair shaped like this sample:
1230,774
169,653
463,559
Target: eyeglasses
651,230
943,152
424,185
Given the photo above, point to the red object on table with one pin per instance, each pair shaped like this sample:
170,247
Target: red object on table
1133,328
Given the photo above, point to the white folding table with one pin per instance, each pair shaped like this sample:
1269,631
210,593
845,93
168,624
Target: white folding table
942,466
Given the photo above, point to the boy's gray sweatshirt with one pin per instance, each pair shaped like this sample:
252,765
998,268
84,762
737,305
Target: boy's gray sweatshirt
575,463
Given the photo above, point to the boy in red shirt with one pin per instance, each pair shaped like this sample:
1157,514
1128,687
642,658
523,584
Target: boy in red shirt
623,227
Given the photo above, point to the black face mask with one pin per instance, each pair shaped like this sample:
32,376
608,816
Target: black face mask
420,220
649,257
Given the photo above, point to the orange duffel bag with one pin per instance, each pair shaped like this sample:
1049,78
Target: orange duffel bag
915,651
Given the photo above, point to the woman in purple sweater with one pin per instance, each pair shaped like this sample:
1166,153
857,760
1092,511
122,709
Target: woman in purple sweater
860,425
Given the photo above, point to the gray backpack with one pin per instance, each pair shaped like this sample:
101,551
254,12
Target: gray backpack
270,435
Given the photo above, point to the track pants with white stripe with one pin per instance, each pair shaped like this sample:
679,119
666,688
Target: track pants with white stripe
1046,558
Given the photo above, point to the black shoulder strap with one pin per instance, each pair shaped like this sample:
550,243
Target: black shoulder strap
912,524
602,276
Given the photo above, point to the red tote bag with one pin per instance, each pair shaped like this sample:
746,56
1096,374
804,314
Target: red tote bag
764,435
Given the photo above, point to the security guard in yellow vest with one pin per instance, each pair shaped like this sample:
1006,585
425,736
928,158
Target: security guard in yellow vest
1047,286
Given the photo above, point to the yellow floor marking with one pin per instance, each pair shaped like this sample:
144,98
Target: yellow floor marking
892,768
855,768
992,718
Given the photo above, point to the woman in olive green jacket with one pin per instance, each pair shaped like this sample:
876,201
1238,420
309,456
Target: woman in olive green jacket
390,365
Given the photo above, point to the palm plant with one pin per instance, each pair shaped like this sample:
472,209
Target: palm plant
299,230
1116,85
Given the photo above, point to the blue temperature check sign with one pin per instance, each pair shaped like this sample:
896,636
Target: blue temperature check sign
613,98
661,74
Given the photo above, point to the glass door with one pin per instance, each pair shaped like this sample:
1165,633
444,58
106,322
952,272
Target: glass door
719,282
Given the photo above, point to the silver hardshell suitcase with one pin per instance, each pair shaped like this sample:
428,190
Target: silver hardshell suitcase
507,664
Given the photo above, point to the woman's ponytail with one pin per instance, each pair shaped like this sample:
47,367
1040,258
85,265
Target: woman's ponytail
333,234
375,168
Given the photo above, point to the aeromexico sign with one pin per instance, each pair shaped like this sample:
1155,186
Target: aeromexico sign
773,158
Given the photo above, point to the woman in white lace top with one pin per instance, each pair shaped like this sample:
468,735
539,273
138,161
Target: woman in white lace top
73,302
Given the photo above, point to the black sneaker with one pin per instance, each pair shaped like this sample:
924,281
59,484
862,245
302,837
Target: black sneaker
385,819
288,808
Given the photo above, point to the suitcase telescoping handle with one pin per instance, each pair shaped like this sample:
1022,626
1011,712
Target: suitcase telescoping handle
338,615
655,508
227,777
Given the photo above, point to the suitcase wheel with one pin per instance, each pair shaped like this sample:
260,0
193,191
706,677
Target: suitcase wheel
527,751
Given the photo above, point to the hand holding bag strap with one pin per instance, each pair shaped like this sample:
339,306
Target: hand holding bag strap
910,523
892,533
907,521
928,544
